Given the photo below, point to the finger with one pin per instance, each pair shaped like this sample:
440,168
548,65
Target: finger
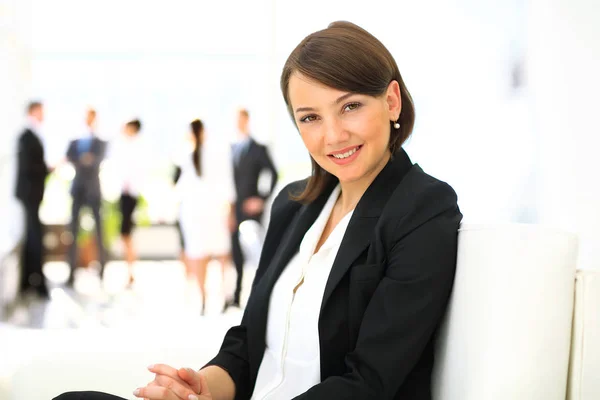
164,369
150,384
192,378
205,390
182,391
155,393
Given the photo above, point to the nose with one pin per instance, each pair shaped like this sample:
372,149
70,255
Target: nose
335,132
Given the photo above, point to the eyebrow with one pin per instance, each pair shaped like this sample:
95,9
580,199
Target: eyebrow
337,101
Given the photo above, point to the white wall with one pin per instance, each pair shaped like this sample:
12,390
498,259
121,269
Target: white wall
525,154
15,78
456,58
564,70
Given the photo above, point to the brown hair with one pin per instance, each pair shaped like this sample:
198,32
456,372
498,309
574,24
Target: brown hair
244,112
33,105
346,57
197,129
135,124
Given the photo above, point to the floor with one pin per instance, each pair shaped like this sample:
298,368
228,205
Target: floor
161,289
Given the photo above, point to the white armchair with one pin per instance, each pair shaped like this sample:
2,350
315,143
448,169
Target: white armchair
508,330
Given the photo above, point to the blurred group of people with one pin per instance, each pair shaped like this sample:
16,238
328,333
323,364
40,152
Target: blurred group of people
218,185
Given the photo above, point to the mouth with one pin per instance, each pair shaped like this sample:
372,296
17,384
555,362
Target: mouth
345,156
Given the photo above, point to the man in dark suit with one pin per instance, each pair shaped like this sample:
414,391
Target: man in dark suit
251,165
31,176
86,155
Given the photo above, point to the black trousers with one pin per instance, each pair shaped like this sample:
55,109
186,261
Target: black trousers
78,203
87,396
238,261
33,252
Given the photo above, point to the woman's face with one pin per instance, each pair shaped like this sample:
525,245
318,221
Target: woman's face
192,137
347,134
128,130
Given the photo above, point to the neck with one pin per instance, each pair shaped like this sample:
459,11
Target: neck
353,191
33,122
244,134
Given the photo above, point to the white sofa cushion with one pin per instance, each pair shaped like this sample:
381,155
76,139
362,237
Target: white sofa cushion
508,327
584,375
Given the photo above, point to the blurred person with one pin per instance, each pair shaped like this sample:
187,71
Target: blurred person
207,192
182,258
176,176
130,155
86,154
30,184
251,161
359,259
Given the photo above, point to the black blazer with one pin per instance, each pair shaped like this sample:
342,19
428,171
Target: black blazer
252,162
86,184
31,168
385,296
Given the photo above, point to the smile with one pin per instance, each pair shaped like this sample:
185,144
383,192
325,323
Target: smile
345,156
341,156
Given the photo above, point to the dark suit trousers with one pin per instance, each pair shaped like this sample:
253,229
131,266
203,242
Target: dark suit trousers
238,261
32,256
78,203
87,396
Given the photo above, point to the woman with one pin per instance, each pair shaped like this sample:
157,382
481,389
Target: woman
129,160
207,192
358,261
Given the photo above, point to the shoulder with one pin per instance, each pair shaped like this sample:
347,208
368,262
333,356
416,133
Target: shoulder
24,136
418,199
259,146
283,203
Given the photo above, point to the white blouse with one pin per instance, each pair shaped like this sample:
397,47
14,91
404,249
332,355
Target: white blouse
131,162
291,363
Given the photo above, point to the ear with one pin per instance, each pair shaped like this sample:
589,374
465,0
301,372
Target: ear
394,101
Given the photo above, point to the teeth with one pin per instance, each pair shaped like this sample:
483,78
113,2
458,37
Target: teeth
346,154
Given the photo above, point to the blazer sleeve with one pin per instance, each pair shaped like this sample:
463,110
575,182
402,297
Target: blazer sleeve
404,312
30,165
233,358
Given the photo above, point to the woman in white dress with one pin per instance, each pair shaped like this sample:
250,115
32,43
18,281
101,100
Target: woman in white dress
207,193
129,156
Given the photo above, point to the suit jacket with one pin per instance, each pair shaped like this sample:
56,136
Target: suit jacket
246,172
86,184
384,298
31,169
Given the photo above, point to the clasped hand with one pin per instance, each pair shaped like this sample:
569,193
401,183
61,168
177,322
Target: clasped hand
174,384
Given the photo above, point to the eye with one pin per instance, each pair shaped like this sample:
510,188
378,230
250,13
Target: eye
351,106
308,118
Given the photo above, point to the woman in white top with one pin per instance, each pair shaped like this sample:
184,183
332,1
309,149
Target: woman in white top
129,156
359,259
207,193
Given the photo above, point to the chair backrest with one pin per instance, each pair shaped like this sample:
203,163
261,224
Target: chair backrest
507,331
584,370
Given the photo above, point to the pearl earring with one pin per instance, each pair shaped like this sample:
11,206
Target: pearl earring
397,125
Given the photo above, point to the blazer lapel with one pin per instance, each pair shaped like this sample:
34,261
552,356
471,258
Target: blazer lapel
295,233
359,232
289,245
